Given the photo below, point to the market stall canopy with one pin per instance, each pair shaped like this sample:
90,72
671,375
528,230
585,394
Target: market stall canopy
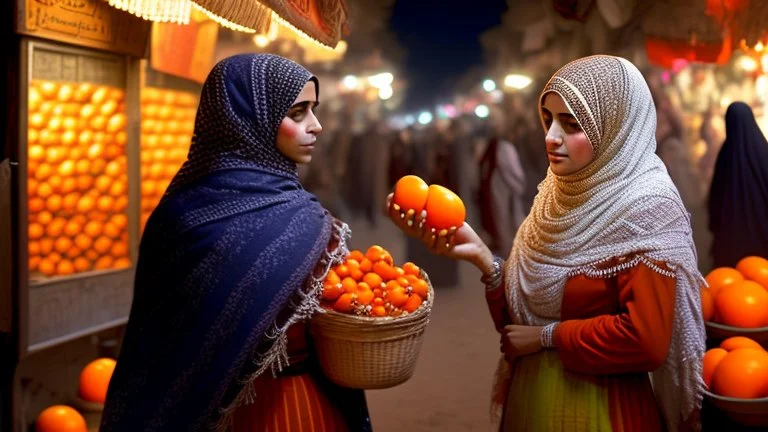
324,21
681,29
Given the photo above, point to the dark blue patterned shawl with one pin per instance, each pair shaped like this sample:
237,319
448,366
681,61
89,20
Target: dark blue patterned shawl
223,259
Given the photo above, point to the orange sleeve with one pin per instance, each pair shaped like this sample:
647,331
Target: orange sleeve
635,340
497,306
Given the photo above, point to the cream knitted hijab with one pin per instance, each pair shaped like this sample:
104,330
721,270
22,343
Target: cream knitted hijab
622,203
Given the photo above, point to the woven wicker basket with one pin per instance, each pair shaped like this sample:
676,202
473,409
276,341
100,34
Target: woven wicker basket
367,352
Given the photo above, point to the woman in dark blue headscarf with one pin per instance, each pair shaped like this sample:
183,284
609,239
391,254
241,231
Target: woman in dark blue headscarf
738,198
231,262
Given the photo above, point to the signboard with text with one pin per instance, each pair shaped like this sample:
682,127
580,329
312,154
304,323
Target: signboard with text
88,23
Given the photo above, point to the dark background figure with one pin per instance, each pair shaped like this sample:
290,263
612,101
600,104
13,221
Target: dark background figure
738,198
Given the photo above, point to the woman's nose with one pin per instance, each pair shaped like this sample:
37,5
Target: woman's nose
314,126
553,138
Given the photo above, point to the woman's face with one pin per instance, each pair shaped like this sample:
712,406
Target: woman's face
568,147
299,129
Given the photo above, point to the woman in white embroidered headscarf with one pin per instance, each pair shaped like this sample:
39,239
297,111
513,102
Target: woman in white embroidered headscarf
601,286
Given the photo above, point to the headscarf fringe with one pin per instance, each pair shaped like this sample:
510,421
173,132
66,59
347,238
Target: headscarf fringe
276,358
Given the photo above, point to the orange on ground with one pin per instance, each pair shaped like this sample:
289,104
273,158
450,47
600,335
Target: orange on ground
60,418
94,380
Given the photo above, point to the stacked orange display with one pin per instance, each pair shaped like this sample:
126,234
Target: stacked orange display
77,183
167,124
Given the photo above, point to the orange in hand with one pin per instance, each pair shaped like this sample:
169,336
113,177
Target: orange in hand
411,193
444,208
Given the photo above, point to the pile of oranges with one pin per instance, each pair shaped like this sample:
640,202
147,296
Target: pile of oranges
167,124
737,369
370,284
94,381
738,297
78,182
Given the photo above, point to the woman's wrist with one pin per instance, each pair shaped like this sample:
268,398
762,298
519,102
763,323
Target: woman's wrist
484,261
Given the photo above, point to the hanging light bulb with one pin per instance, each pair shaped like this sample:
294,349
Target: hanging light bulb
165,11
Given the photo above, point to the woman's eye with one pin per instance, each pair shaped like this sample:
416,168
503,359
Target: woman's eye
298,115
573,126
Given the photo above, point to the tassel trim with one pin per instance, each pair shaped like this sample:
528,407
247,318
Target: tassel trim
593,270
307,304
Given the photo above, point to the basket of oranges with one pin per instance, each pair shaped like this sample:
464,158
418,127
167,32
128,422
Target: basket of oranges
371,333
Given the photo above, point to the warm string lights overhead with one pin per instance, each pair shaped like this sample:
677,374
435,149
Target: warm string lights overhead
165,11
222,21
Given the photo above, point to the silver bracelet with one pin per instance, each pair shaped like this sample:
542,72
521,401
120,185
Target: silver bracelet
547,335
493,280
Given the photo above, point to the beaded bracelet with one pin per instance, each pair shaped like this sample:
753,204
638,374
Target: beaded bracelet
547,335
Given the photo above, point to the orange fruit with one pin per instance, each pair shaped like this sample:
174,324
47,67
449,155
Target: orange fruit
386,271
35,231
34,248
60,418
121,203
412,304
62,244
411,193
46,267
354,269
46,245
82,264
333,277
349,285
397,295
344,303
364,294
332,291
85,204
411,269
720,277
36,205
444,208
356,255
73,253
34,261
68,185
44,217
342,270
122,263
119,220
83,242
707,304
743,374
754,268
105,203
104,263
94,380
373,280
65,268
56,227
736,342
379,311
119,250
102,245
366,265
743,304
710,361
36,153
421,288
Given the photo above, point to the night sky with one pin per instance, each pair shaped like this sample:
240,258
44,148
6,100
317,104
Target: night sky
442,41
